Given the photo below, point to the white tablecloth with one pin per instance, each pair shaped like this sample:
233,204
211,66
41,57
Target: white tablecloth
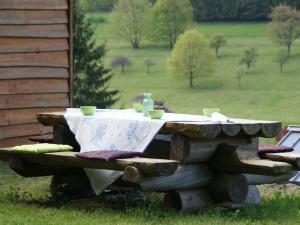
123,130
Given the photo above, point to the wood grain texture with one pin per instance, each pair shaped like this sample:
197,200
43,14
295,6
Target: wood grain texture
13,142
289,157
202,130
185,177
194,130
32,72
145,165
188,200
23,130
33,86
28,17
229,188
27,45
34,101
46,59
35,31
33,4
226,160
22,116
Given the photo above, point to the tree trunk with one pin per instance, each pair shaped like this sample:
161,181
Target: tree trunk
148,69
289,49
191,80
123,68
135,44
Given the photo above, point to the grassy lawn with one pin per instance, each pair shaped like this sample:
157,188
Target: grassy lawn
265,93
26,201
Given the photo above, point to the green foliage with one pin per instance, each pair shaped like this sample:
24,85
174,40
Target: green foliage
237,10
128,20
281,59
191,57
249,58
216,42
285,26
90,76
97,5
170,18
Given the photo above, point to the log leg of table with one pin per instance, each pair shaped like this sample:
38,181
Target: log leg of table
253,196
75,186
63,135
185,177
229,188
188,200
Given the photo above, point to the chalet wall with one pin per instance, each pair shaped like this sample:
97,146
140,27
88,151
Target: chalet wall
35,62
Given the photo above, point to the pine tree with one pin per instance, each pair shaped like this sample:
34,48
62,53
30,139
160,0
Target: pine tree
90,76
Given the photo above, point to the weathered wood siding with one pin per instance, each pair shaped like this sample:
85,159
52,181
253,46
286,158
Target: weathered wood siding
35,62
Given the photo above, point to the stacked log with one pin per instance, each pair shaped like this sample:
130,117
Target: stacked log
210,173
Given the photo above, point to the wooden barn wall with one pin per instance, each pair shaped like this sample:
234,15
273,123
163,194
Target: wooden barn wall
35,62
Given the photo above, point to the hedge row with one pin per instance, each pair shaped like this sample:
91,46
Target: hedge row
236,10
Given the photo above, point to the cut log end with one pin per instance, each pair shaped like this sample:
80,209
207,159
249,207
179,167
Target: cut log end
131,174
188,201
229,188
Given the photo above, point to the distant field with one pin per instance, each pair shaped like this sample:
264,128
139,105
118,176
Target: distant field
266,94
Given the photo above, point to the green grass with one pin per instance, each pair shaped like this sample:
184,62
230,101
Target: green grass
26,201
265,93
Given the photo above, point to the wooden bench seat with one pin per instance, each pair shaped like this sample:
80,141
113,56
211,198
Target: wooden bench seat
148,166
289,157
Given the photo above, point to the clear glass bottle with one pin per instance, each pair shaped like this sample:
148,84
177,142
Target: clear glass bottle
148,103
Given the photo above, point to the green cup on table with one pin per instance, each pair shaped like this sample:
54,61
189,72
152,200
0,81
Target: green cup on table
138,107
88,110
209,111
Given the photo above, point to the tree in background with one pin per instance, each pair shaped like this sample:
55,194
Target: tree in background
249,58
148,62
285,26
121,61
90,76
170,18
191,57
216,42
128,20
281,59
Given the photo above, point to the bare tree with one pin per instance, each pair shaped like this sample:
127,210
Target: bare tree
121,61
282,59
148,63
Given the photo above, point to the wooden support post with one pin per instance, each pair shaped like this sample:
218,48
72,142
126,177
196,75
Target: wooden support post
226,160
75,186
229,188
253,196
185,177
187,150
188,200
63,135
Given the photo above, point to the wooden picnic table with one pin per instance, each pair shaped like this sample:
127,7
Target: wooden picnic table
197,165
